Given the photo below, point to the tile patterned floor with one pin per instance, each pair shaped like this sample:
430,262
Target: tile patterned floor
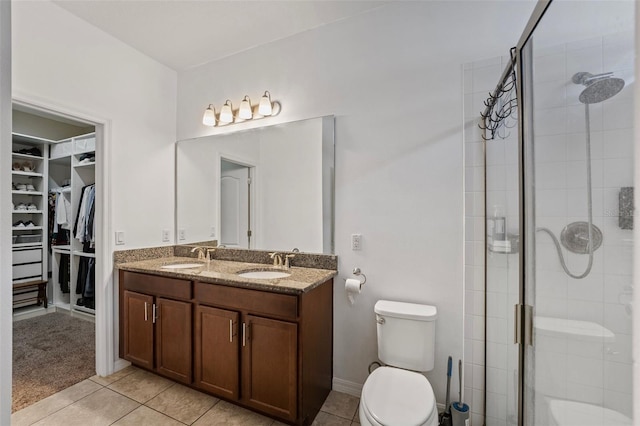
134,397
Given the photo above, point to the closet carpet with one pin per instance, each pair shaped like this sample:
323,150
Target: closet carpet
50,353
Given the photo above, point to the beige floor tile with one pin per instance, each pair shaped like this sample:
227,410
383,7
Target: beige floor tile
356,417
100,408
326,419
341,405
106,381
145,416
182,403
141,385
53,403
226,414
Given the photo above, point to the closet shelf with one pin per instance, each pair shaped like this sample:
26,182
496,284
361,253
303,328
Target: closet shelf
29,174
26,228
84,309
92,164
27,212
83,254
61,249
26,156
39,193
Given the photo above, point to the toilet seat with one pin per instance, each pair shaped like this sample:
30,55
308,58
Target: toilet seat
392,396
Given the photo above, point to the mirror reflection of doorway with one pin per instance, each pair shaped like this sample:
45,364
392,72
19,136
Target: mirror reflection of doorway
235,204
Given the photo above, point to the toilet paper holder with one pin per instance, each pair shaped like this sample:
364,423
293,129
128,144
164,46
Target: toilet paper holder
358,273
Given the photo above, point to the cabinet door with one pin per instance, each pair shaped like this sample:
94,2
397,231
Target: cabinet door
173,339
270,366
217,360
138,329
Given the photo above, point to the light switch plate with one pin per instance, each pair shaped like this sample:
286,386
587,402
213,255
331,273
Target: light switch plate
119,238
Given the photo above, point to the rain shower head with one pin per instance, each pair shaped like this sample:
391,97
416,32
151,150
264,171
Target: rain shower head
600,87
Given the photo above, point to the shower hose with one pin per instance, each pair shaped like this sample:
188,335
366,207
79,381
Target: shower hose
589,211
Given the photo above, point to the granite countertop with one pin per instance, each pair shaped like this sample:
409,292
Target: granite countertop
225,272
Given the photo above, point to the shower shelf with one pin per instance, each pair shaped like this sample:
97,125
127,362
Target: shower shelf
579,330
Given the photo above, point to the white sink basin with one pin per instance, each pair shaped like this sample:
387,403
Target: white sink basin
182,266
263,275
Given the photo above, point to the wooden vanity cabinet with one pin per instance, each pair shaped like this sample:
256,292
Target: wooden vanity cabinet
155,331
282,345
271,352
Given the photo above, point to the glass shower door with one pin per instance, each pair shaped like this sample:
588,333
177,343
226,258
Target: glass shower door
578,155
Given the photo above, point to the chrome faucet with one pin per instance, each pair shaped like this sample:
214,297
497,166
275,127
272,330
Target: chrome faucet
277,259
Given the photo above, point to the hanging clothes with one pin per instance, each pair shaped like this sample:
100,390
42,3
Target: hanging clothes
59,220
85,284
84,228
64,273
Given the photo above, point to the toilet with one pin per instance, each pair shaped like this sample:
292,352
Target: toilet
397,394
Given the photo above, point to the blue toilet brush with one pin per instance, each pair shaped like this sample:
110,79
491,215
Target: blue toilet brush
459,410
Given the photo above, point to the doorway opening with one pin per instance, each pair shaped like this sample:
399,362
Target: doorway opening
57,197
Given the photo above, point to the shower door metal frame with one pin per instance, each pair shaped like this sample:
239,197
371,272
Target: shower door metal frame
523,314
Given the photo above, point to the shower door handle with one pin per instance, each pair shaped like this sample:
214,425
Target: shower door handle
523,324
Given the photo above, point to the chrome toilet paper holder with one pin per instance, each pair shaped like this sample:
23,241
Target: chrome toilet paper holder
358,273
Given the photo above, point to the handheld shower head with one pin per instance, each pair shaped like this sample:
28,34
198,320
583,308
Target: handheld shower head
600,87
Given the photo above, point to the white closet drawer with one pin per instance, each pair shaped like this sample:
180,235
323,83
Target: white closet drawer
59,150
83,145
28,270
27,256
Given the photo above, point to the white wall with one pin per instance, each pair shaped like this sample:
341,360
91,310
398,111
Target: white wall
393,79
65,61
6,324
62,63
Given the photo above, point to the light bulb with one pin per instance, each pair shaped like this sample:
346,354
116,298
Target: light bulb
209,117
226,113
245,109
265,107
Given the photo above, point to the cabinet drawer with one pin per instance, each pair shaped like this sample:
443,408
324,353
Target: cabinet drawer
27,256
27,271
155,285
242,299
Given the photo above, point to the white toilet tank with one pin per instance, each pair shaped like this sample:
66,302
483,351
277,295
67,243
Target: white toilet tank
406,334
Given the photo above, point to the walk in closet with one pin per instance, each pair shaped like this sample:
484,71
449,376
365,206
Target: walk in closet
54,201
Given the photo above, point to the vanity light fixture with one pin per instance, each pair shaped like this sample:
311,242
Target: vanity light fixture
245,111
228,115
209,118
265,107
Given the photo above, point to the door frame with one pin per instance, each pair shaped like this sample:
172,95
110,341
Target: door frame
254,191
105,334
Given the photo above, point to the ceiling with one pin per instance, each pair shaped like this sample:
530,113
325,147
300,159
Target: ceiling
183,34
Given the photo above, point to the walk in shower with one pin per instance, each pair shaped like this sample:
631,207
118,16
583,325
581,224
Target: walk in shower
559,221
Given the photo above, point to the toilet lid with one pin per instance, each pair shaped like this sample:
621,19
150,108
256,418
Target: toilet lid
398,397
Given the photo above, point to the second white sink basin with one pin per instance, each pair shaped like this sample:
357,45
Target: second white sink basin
264,275
182,266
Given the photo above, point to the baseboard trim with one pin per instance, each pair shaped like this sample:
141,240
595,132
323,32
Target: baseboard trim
345,386
119,364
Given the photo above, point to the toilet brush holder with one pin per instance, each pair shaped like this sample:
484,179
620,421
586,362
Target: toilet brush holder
459,414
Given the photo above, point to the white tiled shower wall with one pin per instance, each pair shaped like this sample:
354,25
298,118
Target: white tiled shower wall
594,372
480,78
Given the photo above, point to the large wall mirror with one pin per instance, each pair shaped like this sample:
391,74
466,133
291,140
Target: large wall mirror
270,188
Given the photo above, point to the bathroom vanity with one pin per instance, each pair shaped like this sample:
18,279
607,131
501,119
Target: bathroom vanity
265,344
